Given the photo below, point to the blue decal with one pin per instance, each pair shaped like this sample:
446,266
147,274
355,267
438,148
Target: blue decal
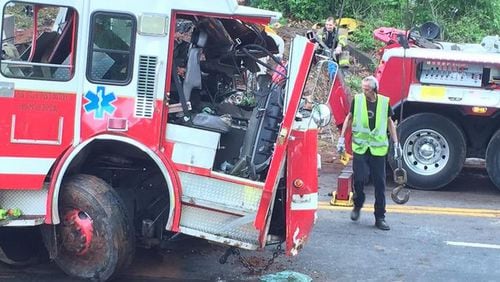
100,102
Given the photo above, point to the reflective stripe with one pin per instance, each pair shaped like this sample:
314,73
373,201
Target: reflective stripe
342,40
370,143
19,165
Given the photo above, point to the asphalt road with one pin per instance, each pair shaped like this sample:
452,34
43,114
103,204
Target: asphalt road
447,235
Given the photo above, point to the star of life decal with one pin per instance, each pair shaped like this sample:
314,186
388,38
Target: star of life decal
100,102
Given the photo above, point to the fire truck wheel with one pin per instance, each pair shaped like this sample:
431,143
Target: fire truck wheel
95,236
493,159
434,150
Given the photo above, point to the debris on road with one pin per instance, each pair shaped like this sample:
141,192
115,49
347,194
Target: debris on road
286,276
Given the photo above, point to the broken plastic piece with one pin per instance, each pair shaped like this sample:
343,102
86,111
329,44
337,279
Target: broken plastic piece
286,276
345,158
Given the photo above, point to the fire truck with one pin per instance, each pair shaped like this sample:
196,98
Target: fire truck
110,140
449,97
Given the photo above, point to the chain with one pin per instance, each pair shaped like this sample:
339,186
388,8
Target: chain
246,263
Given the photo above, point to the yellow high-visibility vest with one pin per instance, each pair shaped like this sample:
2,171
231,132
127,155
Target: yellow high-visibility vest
362,137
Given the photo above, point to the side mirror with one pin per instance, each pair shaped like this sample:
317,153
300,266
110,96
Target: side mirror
311,36
403,41
321,115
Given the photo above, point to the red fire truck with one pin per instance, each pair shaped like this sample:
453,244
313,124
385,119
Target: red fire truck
110,137
449,94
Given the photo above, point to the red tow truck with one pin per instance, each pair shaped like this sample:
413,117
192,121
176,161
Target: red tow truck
449,96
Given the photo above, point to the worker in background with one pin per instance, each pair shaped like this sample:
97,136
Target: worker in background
331,38
370,118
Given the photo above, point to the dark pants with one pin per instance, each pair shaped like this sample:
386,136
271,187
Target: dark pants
364,166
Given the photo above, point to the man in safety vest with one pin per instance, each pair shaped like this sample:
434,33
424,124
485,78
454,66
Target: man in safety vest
333,40
370,118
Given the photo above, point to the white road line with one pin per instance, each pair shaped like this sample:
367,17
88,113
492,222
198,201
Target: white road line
472,245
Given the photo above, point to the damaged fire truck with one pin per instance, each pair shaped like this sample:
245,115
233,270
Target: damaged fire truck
108,142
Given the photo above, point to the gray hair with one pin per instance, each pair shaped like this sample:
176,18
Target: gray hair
372,81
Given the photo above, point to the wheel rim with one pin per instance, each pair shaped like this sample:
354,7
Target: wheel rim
77,232
426,152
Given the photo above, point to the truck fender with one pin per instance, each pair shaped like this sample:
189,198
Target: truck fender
165,165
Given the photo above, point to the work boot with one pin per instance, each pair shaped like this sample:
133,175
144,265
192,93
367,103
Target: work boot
381,224
355,213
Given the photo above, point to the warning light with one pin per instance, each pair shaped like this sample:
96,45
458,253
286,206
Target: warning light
298,183
479,110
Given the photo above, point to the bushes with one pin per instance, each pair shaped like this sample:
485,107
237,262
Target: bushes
313,10
363,36
461,20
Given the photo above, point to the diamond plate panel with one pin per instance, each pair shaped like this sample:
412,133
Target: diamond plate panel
31,202
228,194
220,224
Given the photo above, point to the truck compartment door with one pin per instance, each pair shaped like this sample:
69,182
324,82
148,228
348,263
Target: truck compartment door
301,55
302,188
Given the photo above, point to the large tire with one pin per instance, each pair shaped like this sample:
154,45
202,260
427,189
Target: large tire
95,237
493,159
434,150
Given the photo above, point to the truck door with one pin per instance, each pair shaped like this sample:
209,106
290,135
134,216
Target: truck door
38,88
301,54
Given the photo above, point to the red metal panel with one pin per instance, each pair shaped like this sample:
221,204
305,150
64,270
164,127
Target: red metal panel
36,117
176,183
52,184
144,130
35,124
193,169
344,185
302,164
279,151
21,181
340,101
392,82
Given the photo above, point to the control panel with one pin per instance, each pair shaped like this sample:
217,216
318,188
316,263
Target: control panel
451,73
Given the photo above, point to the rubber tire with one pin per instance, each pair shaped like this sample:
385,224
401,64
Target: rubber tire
493,159
111,225
456,142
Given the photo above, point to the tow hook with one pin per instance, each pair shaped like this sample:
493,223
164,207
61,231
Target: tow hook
400,178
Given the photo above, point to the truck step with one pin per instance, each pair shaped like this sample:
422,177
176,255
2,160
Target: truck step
220,227
229,197
25,220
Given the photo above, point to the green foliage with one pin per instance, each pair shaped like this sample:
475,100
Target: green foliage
363,36
296,9
461,20
354,83
466,29
306,10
